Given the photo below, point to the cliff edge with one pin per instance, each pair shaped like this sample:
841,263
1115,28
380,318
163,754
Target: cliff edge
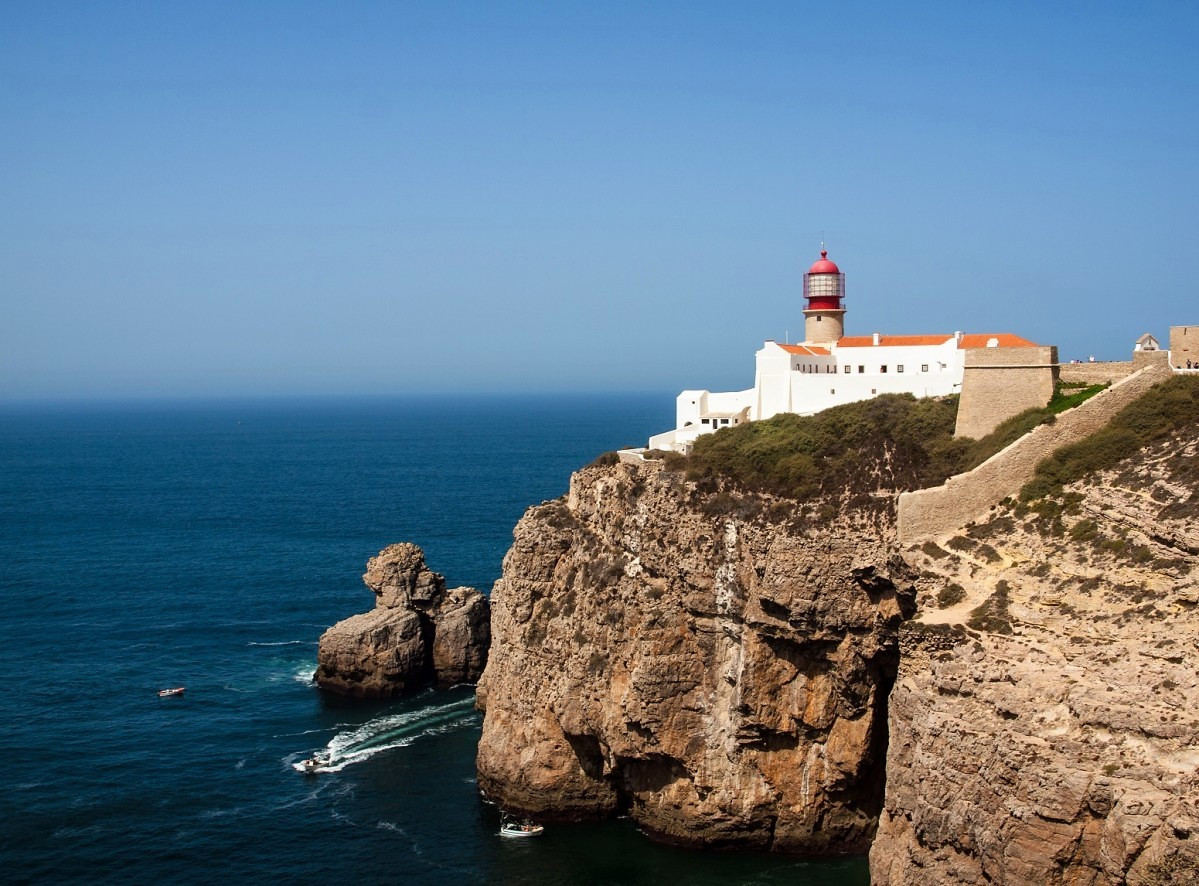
714,665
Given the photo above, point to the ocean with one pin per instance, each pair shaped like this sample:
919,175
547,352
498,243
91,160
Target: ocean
207,545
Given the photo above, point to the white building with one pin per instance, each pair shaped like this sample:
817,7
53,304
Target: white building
830,368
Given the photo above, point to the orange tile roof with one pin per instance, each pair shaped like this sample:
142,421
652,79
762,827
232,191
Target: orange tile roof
806,350
892,341
1006,340
972,340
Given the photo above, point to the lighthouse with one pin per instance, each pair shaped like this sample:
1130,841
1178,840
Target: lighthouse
823,287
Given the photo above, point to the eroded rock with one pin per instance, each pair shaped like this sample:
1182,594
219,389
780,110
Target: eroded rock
419,633
718,670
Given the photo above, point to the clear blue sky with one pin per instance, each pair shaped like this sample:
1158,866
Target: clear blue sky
314,198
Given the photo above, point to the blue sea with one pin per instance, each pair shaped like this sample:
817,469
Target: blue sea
208,545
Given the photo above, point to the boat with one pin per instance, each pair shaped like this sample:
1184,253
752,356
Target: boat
315,763
164,693
511,827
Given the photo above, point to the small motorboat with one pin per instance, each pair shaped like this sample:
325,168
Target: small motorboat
313,764
166,693
511,827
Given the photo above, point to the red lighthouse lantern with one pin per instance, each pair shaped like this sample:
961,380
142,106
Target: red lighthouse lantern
824,316
824,285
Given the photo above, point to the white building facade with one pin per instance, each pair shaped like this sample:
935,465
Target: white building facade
829,368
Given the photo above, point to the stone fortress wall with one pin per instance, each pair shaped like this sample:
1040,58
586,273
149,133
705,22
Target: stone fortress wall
1103,373
1184,345
1095,373
998,383
943,509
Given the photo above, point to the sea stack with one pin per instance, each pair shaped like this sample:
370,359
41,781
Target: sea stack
418,634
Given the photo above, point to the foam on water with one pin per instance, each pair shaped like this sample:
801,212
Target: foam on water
390,732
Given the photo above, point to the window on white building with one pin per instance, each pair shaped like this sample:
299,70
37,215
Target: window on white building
882,369
924,367
832,390
899,368
704,420
848,367
861,369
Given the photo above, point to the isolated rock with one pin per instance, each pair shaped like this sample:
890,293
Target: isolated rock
716,668
418,633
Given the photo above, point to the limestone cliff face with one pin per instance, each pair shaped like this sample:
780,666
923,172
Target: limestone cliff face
1053,735
717,668
419,633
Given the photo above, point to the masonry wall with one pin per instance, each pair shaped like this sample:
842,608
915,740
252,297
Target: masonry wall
1095,373
944,509
1184,345
998,383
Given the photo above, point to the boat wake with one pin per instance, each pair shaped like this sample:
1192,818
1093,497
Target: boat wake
389,732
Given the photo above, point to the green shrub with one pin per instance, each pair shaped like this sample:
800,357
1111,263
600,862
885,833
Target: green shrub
607,458
1084,530
674,461
950,595
890,443
934,550
992,615
988,553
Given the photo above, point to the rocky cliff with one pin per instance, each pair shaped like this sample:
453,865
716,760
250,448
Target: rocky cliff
1044,727
715,666
418,633
729,668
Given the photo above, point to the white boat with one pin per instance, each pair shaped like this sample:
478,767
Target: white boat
164,693
314,763
511,827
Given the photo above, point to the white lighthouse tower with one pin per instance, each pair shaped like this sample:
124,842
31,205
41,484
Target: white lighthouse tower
824,287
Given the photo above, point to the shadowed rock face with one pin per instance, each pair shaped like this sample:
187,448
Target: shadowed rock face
418,634
718,675
1045,729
